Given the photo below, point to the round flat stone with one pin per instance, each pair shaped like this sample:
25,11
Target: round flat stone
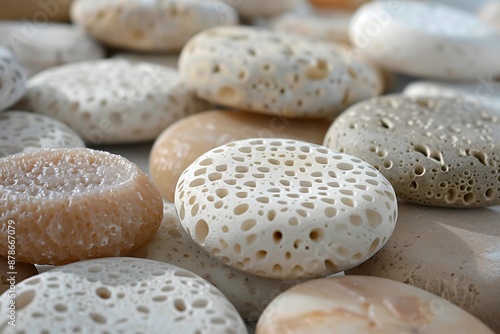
426,39
434,151
120,295
38,47
157,25
24,132
250,294
358,304
285,209
270,72
484,93
183,142
112,101
12,79
453,254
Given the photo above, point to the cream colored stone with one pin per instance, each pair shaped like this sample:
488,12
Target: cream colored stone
434,151
155,25
453,254
359,305
183,142
250,294
270,72
40,46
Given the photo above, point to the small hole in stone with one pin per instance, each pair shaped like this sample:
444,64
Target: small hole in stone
180,305
201,231
316,235
260,255
277,236
103,292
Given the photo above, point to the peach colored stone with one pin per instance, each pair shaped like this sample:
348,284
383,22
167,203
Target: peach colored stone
183,142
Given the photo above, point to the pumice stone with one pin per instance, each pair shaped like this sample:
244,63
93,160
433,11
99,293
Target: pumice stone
434,151
285,209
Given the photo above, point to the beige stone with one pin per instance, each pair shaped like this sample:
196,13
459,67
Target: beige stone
169,60
359,305
183,142
434,151
452,253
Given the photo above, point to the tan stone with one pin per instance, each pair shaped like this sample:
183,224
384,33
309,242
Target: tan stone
35,10
452,253
183,142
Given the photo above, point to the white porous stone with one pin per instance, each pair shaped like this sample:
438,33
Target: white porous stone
255,8
484,93
426,39
154,25
276,73
112,101
12,79
360,305
250,294
24,131
489,12
434,151
41,46
120,295
285,209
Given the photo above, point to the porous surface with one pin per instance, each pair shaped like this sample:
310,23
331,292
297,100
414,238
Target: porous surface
24,132
183,142
484,93
255,8
434,151
112,101
12,79
157,25
319,25
75,204
426,39
358,304
41,46
284,209
250,294
271,72
453,254
12,272
120,295
489,12
160,59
